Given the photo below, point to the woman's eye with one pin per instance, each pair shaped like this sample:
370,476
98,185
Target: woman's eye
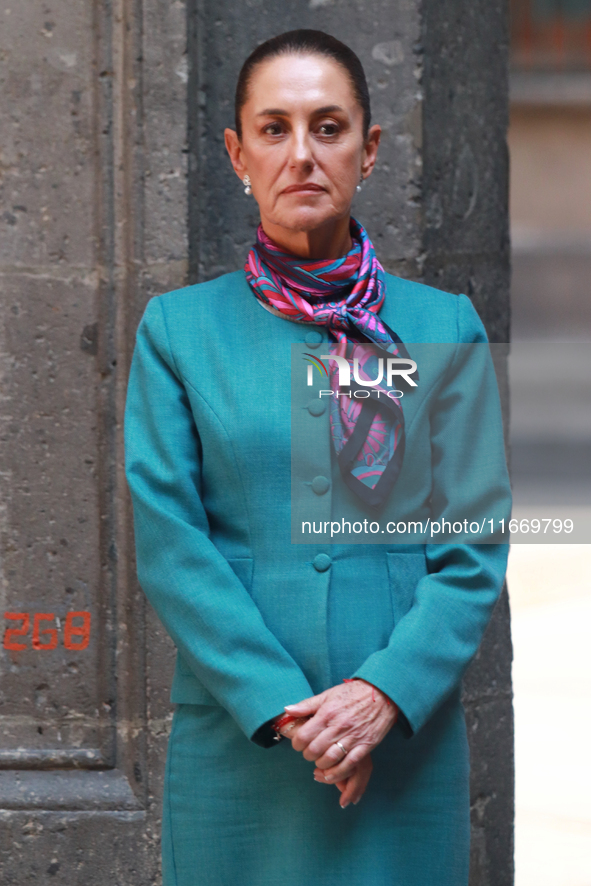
273,129
329,128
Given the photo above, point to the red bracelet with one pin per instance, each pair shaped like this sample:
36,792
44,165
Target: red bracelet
283,721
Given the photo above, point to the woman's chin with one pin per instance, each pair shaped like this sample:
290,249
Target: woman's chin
307,218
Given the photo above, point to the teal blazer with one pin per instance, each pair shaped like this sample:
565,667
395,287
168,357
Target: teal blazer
258,620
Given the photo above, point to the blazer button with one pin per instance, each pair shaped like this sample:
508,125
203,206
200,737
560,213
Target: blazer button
317,407
321,562
313,338
320,485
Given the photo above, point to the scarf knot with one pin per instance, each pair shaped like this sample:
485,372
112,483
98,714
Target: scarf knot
338,318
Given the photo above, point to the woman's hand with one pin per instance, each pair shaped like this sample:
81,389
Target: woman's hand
352,788
356,714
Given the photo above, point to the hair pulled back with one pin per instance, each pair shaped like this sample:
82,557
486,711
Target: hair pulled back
302,42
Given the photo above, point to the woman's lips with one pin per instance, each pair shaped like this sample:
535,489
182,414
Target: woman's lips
303,189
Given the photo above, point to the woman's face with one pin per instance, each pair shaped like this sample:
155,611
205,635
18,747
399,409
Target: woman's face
302,142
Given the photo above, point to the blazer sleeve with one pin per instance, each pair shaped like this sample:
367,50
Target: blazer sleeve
433,643
207,611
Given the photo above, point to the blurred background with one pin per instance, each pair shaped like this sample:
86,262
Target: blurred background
550,585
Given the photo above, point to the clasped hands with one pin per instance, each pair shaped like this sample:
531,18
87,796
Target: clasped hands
356,714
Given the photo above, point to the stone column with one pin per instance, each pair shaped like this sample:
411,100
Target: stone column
94,193
466,248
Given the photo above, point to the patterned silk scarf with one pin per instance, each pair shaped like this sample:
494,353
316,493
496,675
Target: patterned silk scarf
345,295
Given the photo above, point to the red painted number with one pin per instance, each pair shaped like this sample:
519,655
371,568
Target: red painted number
51,633
76,635
82,631
9,643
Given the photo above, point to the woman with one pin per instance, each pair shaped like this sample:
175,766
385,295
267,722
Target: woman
354,652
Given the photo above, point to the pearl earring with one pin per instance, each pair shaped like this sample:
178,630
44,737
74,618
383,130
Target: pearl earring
246,183
358,188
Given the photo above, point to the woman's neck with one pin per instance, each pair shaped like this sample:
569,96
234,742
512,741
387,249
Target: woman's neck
328,242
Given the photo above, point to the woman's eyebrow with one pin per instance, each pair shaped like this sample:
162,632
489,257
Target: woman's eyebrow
273,112
328,109
279,112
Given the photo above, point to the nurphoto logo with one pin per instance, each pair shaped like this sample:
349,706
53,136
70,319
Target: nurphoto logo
395,367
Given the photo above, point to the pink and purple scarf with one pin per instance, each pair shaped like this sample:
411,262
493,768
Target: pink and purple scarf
345,295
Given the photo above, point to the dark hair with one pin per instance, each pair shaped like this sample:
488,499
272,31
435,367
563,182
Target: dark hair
303,41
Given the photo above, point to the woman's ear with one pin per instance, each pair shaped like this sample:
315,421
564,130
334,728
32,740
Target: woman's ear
370,150
234,149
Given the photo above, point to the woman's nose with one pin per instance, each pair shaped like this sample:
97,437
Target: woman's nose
301,148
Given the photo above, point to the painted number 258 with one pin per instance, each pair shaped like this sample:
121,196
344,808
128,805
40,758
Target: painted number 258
76,635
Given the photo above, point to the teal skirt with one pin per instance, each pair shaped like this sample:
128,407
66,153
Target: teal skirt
236,814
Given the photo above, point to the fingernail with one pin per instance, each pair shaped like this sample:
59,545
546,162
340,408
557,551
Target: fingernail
289,707
329,778
344,806
355,802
